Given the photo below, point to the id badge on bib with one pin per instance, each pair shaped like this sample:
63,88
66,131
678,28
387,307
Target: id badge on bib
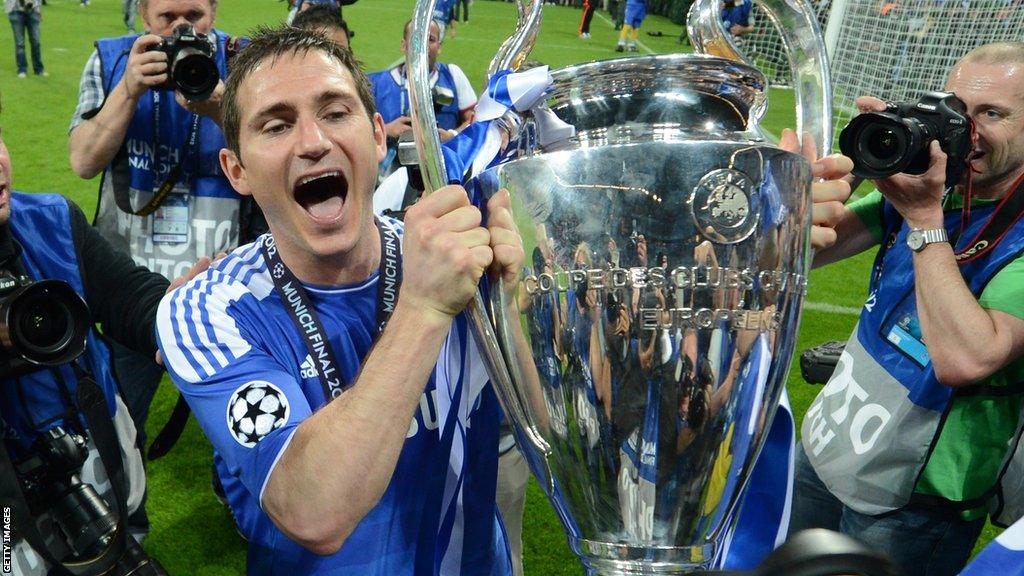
171,219
905,334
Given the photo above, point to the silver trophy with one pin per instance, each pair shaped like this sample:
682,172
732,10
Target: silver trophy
644,351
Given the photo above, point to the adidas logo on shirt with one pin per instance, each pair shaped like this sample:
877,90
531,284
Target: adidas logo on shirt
307,368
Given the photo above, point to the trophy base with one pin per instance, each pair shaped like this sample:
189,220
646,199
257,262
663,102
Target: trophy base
611,559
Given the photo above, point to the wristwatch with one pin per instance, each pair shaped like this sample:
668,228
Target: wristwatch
917,239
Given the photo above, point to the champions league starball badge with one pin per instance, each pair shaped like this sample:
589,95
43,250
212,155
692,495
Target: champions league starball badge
256,409
725,206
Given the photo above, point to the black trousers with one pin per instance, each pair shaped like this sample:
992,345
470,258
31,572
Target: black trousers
588,15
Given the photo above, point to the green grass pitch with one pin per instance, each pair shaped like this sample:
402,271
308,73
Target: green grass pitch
192,533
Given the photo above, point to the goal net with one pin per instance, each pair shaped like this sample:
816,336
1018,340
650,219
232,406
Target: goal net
893,49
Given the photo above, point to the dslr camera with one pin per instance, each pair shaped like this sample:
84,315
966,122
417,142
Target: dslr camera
885,143
442,97
85,525
41,324
191,68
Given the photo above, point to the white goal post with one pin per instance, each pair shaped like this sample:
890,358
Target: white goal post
893,49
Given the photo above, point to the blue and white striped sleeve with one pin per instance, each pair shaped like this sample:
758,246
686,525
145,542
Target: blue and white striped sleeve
247,402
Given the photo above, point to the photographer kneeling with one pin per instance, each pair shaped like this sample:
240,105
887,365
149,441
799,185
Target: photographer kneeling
148,118
904,446
68,438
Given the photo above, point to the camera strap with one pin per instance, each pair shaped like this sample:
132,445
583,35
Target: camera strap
303,314
1005,215
172,430
121,179
93,404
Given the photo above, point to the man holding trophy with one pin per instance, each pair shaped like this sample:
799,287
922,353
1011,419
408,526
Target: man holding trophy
320,384
339,406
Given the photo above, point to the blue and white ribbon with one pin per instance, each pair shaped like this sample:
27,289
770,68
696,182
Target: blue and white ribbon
479,146
460,377
764,508
521,92
1003,556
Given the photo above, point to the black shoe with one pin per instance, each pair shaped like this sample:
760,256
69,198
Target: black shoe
619,48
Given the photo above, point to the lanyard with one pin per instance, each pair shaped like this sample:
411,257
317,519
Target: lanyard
175,174
303,314
1007,212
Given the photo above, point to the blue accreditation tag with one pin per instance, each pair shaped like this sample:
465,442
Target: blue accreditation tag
905,334
170,220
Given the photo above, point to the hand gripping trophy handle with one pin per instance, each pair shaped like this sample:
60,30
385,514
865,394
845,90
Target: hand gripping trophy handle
428,146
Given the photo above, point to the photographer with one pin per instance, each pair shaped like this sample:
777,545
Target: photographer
46,237
736,17
906,443
149,140
454,98
296,7
327,21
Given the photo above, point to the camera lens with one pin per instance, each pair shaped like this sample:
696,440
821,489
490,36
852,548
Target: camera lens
881,145
45,323
42,325
194,74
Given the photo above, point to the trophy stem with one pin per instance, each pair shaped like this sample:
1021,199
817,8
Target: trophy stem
608,559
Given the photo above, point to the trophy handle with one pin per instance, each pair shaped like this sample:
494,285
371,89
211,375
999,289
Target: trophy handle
805,47
421,109
517,47
428,147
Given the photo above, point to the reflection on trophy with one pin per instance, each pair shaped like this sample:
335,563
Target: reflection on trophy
643,353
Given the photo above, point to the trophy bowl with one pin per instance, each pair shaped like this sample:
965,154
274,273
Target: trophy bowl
644,350
652,329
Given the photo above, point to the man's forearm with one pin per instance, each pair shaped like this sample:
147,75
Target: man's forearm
95,142
964,342
340,461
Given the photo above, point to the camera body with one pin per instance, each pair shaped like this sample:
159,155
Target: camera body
885,143
818,363
442,97
191,67
49,478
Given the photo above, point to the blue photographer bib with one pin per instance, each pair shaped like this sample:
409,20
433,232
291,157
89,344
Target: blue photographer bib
201,216
392,98
872,429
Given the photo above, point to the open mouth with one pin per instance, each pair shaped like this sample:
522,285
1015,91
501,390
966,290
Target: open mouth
976,154
322,196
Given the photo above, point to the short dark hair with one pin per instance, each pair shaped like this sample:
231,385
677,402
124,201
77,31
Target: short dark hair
319,17
271,44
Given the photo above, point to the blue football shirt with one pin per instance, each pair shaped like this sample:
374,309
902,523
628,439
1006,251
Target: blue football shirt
239,360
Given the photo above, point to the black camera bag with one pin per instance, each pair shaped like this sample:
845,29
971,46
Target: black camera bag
817,364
